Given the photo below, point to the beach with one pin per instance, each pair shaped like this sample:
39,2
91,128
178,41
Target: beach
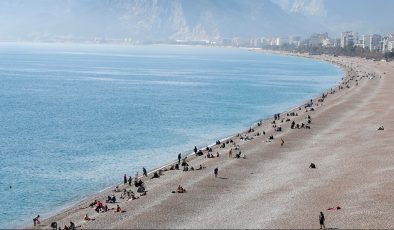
270,185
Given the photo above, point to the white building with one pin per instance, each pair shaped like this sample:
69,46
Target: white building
329,42
281,41
347,39
372,42
390,46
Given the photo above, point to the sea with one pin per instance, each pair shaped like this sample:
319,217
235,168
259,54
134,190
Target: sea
74,118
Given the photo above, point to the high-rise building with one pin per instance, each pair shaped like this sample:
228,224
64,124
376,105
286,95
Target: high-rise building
372,42
347,39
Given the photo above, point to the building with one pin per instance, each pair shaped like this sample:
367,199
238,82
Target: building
372,42
347,39
317,39
295,40
329,42
390,46
281,41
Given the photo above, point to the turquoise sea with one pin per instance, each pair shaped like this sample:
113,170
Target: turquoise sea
75,118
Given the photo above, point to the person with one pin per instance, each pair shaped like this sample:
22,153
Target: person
321,220
125,179
54,225
282,142
312,166
180,189
195,149
72,226
144,171
87,218
118,209
216,171
130,180
66,227
230,153
36,220
155,175
180,157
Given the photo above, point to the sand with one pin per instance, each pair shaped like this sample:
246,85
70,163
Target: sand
274,186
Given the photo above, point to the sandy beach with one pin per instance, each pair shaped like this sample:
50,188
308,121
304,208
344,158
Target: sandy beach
273,186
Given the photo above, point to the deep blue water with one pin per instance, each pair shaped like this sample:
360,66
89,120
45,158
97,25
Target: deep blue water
75,118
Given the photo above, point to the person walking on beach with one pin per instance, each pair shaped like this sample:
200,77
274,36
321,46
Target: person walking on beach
230,153
36,220
321,221
125,179
195,149
282,143
216,171
144,171
130,180
179,158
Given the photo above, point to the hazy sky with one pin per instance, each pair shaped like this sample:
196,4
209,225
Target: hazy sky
189,19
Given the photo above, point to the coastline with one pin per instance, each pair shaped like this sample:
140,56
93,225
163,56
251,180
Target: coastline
174,177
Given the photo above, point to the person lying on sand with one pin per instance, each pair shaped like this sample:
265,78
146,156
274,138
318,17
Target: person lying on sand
381,128
87,218
133,197
118,209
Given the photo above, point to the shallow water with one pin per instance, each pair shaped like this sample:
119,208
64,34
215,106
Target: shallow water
75,118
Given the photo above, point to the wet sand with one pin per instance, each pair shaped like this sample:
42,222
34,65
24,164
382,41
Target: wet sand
274,186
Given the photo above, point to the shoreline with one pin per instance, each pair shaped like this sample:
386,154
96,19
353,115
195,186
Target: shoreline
190,154
64,214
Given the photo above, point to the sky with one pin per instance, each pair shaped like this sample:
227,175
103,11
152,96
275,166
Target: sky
163,20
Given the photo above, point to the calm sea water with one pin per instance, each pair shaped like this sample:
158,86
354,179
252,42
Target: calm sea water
75,118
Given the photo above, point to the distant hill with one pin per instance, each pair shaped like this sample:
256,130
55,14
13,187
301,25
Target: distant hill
149,20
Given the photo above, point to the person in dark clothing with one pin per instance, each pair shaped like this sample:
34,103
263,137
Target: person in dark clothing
144,172
321,221
180,157
216,171
130,180
195,149
125,179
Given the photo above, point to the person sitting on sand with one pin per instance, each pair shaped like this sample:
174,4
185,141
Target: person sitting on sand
54,225
93,204
217,154
72,226
155,175
381,128
312,166
133,197
117,189
113,199
118,209
216,172
180,189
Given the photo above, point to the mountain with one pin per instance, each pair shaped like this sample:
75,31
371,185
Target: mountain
148,20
